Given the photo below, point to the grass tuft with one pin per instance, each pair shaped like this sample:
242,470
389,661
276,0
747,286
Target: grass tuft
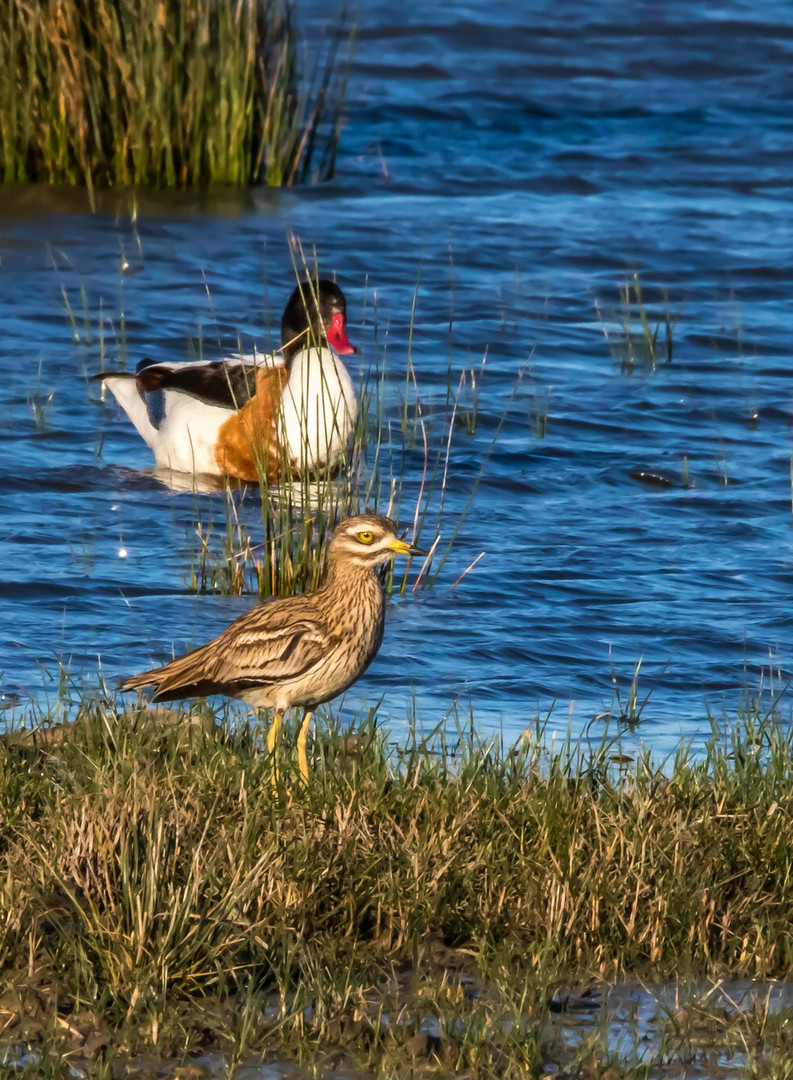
638,344
415,901
296,518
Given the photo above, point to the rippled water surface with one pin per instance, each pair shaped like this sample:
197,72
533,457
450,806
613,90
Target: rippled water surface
509,164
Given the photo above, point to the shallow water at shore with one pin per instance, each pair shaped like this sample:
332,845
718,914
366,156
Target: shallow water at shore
719,1028
513,165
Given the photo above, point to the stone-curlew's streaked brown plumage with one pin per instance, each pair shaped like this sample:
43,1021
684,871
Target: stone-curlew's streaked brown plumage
296,651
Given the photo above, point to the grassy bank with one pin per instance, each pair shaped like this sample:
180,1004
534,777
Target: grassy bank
123,92
155,892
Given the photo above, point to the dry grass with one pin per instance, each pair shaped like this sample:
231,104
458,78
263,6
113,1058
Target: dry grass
145,868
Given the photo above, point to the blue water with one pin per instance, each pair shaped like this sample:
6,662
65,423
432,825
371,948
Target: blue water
512,163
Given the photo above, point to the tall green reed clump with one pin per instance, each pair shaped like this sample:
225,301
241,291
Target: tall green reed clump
118,92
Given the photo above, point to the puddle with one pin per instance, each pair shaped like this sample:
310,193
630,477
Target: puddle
713,1028
722,1029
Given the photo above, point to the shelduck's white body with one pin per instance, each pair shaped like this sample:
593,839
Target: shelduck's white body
318,406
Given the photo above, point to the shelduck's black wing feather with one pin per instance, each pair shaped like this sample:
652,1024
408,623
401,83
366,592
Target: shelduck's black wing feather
227,385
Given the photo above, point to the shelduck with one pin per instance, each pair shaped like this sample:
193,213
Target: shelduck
250,417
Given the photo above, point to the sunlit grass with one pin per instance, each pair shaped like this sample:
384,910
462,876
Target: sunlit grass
421,900
141,92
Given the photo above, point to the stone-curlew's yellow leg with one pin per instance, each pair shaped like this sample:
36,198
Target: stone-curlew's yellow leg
302,738
272,742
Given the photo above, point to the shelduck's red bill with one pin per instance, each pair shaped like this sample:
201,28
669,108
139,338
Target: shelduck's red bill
337,336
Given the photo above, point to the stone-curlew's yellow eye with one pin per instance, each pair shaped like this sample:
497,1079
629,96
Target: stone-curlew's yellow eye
366,537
